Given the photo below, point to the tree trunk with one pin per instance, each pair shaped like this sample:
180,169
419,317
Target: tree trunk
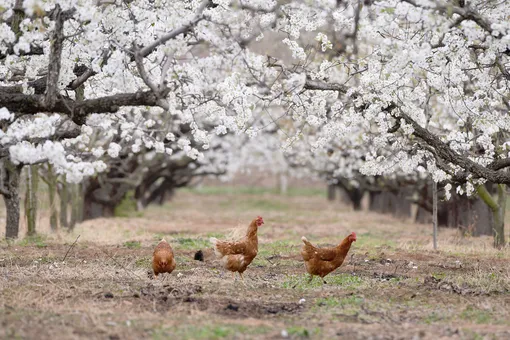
331,192
79,202
374,202
402,204
423,216
9,177
76,192
101,201
499,218
31,199
355,196
52,191
64,201
498,208
74,206
96,210
283,183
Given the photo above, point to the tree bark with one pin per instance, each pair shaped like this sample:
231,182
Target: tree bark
52,192
31,199
100,200
499,218
64,201
74,206
10,176
331,192
498,208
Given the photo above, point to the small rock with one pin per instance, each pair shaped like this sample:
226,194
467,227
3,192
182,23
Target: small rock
285,334
108,295
179,275
301,301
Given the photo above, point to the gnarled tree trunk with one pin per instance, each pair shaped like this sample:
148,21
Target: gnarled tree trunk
9,177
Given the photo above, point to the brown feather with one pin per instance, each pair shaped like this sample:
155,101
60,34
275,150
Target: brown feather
163,258
237,256
322,261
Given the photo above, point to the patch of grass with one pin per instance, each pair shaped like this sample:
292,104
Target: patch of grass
301,281
260,204
245,190
477,315
143,262
215,234
207,332
330,302
189,243
432,318
36,240
438,276
127,207
133,244
488,281
299,331
371,240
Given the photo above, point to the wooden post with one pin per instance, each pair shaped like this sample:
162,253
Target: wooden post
434,212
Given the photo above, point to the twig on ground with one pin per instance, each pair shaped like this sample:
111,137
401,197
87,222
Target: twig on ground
120,265
71,247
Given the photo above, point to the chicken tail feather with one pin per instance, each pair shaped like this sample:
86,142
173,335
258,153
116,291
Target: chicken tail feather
305,241
214,242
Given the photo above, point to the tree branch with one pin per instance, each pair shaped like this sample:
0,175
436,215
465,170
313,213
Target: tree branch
323,86
181,30
77,110
444,151
54,63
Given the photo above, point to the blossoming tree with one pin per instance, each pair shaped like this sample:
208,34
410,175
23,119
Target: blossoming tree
423,82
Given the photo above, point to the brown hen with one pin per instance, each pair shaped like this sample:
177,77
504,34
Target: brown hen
163,258
322,261
236,256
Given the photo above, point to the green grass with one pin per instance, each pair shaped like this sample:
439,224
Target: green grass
127,207
434,317
143,262
302,332
36,240
245,190
208,332
477,315
301,281
133,244
189,243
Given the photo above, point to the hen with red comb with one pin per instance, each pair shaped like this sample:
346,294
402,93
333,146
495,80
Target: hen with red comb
236,256
322,261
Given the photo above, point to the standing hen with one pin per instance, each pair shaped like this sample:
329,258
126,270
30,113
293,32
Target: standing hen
163,258
322,261
236,256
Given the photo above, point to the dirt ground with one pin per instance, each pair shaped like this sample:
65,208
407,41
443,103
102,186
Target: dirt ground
393,285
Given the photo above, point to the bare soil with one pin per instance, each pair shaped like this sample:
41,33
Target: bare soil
393,285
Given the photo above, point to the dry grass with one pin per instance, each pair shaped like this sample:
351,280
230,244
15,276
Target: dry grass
393,286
